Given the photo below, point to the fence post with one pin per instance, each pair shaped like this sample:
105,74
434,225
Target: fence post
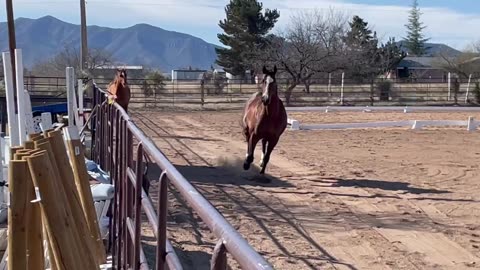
202,92
341,89
329,84
70,92
468,88
22,129
80,104
219,257
449,86
161,252
12,119
471,124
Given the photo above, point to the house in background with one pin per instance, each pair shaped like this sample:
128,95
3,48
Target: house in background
420,68
187,75
220,72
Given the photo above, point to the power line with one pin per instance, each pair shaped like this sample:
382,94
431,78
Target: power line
111,3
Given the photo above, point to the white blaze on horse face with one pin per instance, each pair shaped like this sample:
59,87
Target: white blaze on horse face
268,81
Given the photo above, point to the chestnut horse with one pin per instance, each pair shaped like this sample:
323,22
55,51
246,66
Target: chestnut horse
264,119
119,90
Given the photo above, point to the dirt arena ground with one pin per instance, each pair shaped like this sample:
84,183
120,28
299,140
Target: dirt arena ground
338,199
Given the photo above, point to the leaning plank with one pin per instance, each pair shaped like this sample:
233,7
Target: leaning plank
74,213
77,159
35,259
72,197
17,221
57,222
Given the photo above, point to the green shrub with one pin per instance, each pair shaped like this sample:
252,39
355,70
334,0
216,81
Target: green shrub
154,82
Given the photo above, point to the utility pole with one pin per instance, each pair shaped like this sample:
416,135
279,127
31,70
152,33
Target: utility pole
84,47
12,45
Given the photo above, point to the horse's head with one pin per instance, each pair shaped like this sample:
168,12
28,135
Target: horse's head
121,75
269,85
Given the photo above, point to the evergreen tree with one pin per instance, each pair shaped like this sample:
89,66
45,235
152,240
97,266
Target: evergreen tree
415,41
245,29
359,37
362,46
368,60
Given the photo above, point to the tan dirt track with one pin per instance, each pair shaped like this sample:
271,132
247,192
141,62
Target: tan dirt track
338,199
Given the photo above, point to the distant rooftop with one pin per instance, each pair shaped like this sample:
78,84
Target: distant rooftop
119,66
190,70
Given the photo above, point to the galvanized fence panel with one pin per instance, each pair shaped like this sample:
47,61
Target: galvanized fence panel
232,94
116,140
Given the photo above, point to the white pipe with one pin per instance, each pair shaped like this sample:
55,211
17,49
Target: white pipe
70,93
29,113
75,109
341,89
80,104
449,85
329,83
22,129
468,88
12,119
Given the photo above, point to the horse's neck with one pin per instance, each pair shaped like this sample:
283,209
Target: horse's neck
119,82
273,107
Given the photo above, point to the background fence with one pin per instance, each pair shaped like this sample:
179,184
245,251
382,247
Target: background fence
220,94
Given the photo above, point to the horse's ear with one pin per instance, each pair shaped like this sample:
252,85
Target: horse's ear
264,70
274,69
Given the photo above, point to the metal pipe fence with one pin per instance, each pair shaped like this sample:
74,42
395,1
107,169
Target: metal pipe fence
222,93
116,141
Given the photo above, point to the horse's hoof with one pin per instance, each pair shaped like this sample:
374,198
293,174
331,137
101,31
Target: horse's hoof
246,166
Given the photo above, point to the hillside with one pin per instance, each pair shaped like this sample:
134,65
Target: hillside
141,44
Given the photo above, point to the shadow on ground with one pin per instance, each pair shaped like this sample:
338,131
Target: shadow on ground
190,259
226,171
403,187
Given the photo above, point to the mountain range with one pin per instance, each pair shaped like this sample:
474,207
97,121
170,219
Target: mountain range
141,44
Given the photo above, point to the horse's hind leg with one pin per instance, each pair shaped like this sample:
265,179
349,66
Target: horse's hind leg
271,144
252,142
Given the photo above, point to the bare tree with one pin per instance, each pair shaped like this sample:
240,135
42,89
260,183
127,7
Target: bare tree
70,57
466,63
311,44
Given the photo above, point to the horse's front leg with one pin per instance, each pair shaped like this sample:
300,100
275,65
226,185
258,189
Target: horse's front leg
264,150
252,143
271,144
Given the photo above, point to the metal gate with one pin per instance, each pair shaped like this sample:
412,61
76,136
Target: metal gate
113,136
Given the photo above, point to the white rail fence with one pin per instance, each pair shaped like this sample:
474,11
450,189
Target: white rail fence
471,124
405,109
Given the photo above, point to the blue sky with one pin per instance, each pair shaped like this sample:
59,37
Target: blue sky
455,23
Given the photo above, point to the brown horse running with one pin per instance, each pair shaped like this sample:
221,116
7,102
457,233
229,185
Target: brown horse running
119,90
264,119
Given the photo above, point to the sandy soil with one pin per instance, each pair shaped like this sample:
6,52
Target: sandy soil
343,199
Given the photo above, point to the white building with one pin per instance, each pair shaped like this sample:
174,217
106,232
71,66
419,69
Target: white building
187,75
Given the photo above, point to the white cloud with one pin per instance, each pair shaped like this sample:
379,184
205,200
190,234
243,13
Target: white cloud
201,17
